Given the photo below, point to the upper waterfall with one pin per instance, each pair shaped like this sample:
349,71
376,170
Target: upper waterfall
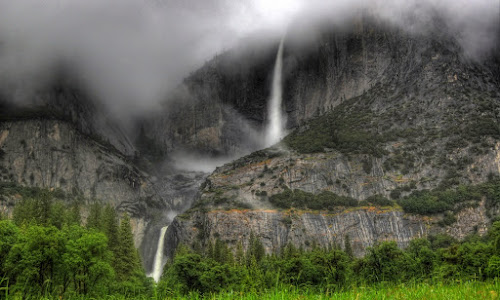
274,130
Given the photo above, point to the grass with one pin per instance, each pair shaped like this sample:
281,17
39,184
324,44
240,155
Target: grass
459,290
463,290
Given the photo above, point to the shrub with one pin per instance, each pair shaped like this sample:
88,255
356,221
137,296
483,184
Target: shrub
379,200
299,199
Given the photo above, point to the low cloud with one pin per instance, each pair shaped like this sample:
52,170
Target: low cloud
129,53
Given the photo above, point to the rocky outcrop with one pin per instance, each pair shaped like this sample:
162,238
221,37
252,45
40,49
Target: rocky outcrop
235,202
50,153
251,180
365,227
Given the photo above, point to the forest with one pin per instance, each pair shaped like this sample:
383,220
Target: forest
46,252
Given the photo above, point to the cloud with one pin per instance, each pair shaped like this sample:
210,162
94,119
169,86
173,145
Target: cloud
129,53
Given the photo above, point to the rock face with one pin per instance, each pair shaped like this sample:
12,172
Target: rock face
276,229
250,180
63,141
235,202
51,153
412,79
388,112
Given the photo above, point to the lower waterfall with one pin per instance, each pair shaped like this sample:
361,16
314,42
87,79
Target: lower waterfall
158,262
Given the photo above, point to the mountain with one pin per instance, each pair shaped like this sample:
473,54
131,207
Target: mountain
392,135
386,123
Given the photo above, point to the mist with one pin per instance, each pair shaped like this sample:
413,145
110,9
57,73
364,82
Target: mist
129,53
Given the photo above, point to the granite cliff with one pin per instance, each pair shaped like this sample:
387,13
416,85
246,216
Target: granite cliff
376,112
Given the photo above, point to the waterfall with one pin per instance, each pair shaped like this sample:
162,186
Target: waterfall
275,119
158,262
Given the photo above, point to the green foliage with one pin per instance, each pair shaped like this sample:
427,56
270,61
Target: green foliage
352,128
11,188
87,260
348,247
94,220
441,241
493,269
43,261
328,269
110,226
439,201
9,234
127,263
303,200
377,200
34,262
367,166
448,219
420,259
325,200
126,257
41,208
47,253
383,262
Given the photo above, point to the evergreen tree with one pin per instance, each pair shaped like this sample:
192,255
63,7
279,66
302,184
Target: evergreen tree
58,214
94,220
219,251
240,254
210,253
43,207
24,212
126,258
74,217
255,249
495,237
348,246
110,226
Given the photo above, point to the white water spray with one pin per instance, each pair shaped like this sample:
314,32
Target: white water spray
275,116
158,263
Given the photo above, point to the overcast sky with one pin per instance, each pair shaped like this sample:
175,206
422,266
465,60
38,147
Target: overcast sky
130,52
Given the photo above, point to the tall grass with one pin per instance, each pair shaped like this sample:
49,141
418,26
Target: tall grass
459,291
473,290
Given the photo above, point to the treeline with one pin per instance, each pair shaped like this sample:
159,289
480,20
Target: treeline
325,200
45,251
440,258
453,199
425,202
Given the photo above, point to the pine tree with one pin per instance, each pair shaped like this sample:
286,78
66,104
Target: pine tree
210,249
74,217
240,254
219,251
127,261
43,206
255,249
58,214
94,219
348,247
110,226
